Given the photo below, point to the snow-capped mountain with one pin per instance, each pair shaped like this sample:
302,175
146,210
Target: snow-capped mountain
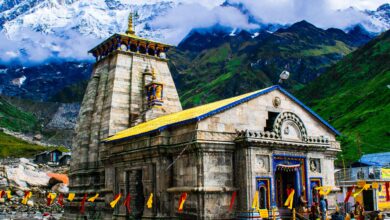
380,18
101,18
32,31
98,18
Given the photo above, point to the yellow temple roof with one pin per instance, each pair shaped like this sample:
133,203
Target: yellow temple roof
198,113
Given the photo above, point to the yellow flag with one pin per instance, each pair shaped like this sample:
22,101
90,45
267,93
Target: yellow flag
52,197
115,201
290,200
8,192
365,187
92,199
71,196
26,198
150,201
328,189
255,202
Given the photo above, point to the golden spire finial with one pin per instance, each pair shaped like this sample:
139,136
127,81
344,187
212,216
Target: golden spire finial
130,30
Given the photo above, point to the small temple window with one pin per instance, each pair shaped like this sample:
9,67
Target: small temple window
142,49
270,121
133,48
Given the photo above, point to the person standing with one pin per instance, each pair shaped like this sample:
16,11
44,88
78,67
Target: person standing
314,211
323,208
302,203
359,211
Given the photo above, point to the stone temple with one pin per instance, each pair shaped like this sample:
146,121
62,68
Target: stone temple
133,136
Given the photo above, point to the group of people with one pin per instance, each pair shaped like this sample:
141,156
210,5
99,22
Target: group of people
318,210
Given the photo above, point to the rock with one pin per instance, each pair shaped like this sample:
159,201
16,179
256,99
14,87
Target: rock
3,182
37,137
60,188
20,193
30,203
24,160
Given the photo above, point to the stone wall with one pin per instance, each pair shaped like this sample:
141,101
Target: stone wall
252,115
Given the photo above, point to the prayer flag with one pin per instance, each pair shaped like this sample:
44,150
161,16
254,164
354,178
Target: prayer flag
26,197
290,200
387,185
115,201
82,203
150,201
325,193
232,200
8,192
365,187
60,200
255,202
182,199
2,193
71,196
349,193
50,198
127,202
92,199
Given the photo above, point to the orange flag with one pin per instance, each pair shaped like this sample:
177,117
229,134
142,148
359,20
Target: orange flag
27,196
116,199
182,199
2,193
50,198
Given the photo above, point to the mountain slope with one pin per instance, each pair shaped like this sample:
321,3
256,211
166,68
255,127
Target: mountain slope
15,119
354,96
210,62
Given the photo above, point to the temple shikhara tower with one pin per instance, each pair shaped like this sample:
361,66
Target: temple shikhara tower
132,137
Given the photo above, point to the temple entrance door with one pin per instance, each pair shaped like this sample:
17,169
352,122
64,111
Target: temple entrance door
368,200
136,190
284,180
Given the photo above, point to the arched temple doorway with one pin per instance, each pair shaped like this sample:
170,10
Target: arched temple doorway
290,173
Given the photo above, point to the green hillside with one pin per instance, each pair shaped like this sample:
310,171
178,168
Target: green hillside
15,119
208,67
354,96
14,147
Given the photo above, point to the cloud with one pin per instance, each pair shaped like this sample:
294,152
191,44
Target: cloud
320,12
185,17
32,47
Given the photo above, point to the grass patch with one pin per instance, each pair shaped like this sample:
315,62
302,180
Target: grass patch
13,147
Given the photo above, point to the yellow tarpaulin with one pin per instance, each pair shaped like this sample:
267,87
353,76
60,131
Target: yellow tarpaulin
385,173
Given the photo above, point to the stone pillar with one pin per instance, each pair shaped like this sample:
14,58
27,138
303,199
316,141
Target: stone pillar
243,178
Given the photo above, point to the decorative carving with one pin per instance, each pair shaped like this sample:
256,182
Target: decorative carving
287,130
315,165
276,102
291,125
262,163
